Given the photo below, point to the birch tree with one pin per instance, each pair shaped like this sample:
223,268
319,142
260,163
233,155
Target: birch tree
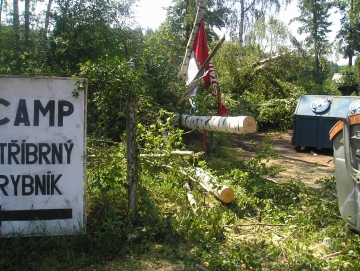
181,16
245,14
314,15
47,17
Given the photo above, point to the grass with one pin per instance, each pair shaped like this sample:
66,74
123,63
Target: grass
267,227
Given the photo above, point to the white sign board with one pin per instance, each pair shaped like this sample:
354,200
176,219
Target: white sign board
42,156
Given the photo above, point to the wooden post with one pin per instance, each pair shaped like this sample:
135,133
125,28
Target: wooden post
131,155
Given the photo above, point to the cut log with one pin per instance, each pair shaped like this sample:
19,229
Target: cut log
206,181
209,183
232,125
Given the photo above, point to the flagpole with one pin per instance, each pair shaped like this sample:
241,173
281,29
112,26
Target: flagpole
185,65
189,47
190,91
198,40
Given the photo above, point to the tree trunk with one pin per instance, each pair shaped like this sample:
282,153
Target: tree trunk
47,17
350,60
316,48
27,21
232,125
317,62
241,22
16,24
132,154
131,158
1,6
351,35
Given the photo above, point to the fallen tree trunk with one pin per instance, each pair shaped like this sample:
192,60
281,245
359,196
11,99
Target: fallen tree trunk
177,153
208,182
232,125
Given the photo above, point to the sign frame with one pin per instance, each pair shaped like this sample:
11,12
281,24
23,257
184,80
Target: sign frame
42,155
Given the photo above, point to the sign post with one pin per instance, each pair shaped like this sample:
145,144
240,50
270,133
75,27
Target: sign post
42,155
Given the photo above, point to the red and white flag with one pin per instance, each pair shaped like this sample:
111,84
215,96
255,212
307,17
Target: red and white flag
202,52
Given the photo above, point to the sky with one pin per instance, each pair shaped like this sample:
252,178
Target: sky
150,14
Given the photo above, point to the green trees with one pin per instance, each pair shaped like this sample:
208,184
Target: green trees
181,16
245,14
314,16
349,34
72,37
87,30
80,30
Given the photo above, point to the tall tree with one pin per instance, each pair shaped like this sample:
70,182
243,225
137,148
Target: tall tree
27,21
349,34
314,16
245,14
88,30
269,36
1,7
16,26
181,16
47,16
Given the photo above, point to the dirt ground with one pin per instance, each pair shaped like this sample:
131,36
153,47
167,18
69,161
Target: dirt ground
308,165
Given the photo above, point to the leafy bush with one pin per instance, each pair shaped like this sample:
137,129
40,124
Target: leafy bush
112,83
349,75
273,114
